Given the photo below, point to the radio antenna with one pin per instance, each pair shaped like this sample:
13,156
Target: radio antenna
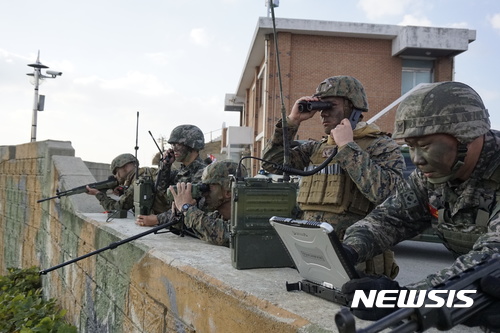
286,143
137,147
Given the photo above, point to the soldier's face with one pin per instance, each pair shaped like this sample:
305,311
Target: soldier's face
123,172
333,117
215,197
433,154
180,151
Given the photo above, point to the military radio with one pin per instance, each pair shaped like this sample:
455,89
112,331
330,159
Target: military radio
143,195
144,190
254,243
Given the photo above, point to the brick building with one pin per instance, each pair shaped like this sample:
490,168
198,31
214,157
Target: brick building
389,60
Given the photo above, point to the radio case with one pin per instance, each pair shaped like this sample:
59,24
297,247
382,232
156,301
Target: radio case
254,243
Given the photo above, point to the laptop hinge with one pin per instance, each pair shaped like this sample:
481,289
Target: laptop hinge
315,289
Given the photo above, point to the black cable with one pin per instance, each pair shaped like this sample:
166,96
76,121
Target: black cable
288,169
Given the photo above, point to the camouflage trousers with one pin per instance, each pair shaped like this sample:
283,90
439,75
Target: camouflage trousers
382,264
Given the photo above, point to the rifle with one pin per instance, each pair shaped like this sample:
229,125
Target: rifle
174,220
443,318
111,183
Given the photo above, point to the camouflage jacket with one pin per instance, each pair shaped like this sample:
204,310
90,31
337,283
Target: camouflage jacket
186,173
376,170
417,205
191,173
126,201
209,226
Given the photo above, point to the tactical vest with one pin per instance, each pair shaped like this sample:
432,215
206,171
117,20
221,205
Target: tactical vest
331,189
461,241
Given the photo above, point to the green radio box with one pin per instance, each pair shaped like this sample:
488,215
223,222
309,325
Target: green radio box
143,196
254,243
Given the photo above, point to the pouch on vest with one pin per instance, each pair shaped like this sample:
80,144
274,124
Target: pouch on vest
334,192
317,191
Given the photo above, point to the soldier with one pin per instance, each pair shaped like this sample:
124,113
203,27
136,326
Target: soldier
212,223
365,170
455,190
186,142
123,167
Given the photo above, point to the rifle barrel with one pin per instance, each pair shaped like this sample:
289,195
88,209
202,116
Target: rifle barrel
110,183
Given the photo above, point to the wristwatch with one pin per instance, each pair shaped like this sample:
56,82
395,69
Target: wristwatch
185,207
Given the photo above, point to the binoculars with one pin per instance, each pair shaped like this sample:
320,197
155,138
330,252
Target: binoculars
197,191
305,106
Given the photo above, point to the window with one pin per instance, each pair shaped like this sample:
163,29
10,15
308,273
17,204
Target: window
415,72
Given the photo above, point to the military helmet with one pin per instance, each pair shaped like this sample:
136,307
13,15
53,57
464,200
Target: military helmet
219,171
122,160
451,108
188,135
344,86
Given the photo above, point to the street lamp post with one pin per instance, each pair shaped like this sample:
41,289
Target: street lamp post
38,101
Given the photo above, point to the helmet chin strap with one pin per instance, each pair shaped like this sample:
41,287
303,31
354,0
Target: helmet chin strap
459,162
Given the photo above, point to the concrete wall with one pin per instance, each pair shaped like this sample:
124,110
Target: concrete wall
100,171
157,283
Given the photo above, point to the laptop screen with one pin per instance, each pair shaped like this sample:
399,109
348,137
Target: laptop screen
316,251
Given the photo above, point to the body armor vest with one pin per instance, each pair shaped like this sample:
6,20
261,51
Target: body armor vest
461,241
331,189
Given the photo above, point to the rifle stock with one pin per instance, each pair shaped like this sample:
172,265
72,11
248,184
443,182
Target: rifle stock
110,183
114,245
423,318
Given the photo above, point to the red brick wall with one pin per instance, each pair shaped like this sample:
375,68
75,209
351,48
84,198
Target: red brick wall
306,60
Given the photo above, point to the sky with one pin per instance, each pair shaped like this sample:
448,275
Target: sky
174,61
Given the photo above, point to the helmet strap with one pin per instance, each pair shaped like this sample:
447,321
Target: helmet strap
459,162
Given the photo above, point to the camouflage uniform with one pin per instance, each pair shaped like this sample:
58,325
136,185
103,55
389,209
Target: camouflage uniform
369,169
186,173
465,214
192,137
126,201
211,226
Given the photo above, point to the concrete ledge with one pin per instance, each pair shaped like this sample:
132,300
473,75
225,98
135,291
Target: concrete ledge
158,283
196,281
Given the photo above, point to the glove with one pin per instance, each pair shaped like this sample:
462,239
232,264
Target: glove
489,318
366,284
351,255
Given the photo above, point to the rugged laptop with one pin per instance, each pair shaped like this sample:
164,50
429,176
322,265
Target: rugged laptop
318,256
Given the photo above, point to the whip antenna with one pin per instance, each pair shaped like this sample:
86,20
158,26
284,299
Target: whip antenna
137,147
286,144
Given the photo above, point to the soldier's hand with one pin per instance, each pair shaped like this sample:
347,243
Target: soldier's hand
342,133
168,156
296,117
182,195
119,190
488,319
366,284
146,220
91,190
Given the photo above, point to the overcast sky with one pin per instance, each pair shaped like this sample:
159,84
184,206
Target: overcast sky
173,61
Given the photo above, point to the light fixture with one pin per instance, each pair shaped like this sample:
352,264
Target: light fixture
39,101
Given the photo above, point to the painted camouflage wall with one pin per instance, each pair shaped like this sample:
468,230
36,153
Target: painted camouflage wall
136,287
